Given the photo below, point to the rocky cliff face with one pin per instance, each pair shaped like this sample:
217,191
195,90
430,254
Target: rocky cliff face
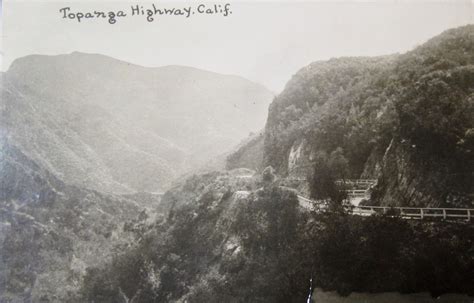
233,236
429,161
323,107
405,119
406,180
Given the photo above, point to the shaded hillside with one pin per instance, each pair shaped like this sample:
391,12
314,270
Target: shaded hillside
233,238
109,125
51,232
248,154
431,160
324,106
406,119
226,239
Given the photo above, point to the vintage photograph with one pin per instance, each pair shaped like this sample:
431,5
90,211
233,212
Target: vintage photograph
232,152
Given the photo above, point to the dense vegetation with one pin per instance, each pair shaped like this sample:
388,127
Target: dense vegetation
330,105
239,237
232,240
116,127
407,119
51,231
229,237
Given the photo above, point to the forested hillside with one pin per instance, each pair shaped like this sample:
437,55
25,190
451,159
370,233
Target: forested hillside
50,232
404,119
240,235
233,238
112,126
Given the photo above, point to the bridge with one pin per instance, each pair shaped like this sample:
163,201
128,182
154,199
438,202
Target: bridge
356,189
363,192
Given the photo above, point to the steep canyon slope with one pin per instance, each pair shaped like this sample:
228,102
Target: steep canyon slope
109,125
50,232
407,120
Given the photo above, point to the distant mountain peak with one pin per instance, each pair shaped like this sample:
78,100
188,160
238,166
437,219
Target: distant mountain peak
111,125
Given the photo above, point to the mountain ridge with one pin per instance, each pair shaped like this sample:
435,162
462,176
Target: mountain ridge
421,101
97,121
124,62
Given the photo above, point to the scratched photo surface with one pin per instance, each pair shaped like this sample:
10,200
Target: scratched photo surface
270,151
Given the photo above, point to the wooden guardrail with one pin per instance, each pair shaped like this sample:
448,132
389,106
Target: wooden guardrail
403,212
356,191
415,212
346,181
357,181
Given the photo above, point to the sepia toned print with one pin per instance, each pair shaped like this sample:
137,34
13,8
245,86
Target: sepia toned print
237,152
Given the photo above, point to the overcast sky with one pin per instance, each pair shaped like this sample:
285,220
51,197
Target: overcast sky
266,41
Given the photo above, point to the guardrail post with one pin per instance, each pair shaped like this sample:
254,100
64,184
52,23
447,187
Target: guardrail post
468,215
421,213
444,214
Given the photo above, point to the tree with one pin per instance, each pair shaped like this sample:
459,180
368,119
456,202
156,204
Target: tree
268,175
338,164
323,182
